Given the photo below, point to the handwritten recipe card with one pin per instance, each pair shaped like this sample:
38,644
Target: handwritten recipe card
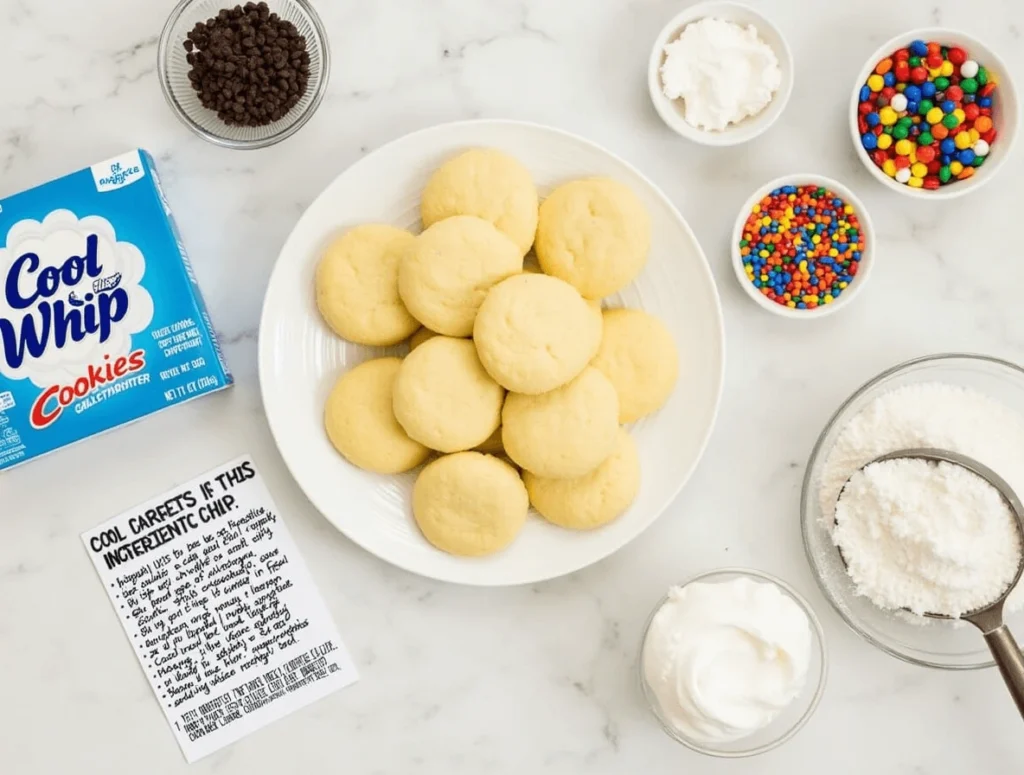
223,615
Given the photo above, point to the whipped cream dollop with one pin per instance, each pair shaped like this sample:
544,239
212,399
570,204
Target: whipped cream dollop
723,73
723,659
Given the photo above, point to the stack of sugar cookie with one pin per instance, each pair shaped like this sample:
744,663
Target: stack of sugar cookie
510,367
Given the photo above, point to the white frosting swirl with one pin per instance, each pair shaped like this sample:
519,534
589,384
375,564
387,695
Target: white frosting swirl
723,659
723,73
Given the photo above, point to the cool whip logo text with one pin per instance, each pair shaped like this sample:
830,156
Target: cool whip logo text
52,401
55,312
70,300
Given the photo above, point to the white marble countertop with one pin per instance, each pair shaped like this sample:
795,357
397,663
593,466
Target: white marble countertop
537,679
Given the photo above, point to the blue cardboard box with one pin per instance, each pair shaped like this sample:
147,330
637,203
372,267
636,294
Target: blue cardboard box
101,320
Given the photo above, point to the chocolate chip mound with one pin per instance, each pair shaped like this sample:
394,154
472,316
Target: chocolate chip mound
248,64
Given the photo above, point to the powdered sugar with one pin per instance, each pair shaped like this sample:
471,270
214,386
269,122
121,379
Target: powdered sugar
933,538
927,415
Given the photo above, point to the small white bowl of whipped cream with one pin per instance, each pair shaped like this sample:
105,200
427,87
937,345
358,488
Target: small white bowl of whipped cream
720,73
733,663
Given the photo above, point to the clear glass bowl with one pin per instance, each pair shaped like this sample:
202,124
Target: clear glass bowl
173,72
927,642
792,719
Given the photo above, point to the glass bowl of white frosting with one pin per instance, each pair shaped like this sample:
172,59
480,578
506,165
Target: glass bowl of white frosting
971,404
733,663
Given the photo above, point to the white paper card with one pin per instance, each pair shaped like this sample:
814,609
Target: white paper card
224,617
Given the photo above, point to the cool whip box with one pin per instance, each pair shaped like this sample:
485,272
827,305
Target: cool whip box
101,320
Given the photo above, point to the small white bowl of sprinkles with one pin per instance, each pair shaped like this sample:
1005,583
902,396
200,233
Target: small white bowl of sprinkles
720,73
803,246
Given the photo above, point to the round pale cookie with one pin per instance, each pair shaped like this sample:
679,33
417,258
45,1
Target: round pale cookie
594,499
469,504
357,285
449,269
420,337
361,424
565,433
444,398
488,184
594,234
638,356
535,333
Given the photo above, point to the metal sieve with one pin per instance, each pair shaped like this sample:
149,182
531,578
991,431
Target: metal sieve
989,619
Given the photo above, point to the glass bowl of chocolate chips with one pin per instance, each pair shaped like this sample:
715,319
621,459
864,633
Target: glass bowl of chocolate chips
244,76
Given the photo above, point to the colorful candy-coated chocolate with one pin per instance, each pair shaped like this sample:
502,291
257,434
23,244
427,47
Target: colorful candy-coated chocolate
801,246
925,114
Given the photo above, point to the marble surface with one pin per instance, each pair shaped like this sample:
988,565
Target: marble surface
537,679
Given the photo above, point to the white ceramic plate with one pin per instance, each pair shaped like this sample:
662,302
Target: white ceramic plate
300,358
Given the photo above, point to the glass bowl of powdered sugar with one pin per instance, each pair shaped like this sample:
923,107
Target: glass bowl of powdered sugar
969,404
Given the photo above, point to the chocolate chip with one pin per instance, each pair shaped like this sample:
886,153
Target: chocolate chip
247,64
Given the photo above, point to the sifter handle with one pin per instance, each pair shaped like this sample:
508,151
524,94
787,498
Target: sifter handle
1010,662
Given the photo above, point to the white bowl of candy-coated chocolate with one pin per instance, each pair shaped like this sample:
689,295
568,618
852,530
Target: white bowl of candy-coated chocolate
1005,111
